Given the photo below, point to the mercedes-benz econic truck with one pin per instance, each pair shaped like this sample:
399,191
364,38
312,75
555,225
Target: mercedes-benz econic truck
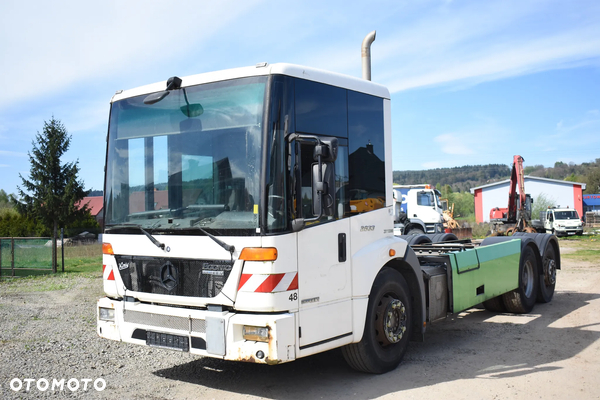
230,232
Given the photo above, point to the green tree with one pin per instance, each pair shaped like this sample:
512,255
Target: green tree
446,191
464,204
52,191
4,200
541,203
592,182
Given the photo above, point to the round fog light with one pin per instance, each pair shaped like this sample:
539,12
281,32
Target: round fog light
260,355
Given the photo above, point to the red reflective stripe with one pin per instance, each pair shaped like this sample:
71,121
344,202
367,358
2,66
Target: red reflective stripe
111,276
243,279
294,284
269,284
103,268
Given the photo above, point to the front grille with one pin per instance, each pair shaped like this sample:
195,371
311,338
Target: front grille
165,321
174,276
198,325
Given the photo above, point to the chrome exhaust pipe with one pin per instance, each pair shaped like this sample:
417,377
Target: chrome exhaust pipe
366,55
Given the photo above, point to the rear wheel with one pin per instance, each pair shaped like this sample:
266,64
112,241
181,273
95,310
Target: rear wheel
388,326
522,299
547,277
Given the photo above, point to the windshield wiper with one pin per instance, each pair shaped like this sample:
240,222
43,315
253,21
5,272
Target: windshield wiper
229,247
148,235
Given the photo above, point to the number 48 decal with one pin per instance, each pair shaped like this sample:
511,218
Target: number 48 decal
293,297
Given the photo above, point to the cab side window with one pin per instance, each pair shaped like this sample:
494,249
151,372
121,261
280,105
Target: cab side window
356,119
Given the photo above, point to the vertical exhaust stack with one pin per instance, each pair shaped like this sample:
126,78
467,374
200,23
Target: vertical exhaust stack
366,55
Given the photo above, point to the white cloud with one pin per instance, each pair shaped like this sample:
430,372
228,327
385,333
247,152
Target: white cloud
454,144
480,60
61,44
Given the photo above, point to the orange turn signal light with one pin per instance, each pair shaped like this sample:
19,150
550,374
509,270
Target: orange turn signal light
259,254
107,249
392,252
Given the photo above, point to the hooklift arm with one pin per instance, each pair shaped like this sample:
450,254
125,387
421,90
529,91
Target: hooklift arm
516,177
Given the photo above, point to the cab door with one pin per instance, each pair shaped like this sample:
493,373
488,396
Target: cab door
324,273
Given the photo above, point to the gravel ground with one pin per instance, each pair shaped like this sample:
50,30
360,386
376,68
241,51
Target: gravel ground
47,332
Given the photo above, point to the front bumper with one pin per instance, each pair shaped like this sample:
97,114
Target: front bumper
205,333
434,228
568,231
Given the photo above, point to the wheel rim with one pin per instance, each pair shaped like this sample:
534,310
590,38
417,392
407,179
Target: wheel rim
527,278
550,272
391,321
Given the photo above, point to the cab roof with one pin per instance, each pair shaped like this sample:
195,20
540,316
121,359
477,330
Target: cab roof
264,69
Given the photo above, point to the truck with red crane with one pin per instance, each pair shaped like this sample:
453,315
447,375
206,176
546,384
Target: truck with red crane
517,216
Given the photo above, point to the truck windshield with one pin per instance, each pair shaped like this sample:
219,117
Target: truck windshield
426,198
190,160
572,214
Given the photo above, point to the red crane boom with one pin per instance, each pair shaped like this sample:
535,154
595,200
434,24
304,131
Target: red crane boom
517,212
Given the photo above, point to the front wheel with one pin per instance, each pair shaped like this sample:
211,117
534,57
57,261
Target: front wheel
388,326
416,231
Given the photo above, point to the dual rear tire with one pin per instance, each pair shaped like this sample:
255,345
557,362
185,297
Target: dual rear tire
523,298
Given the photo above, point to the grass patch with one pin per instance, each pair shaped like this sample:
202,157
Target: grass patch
85,259
584,255
587,248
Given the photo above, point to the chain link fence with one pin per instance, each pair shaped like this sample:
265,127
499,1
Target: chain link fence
26,256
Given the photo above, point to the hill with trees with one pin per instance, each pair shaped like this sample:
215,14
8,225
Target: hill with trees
455,183
461,179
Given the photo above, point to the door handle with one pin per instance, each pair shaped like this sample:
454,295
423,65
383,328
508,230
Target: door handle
342,247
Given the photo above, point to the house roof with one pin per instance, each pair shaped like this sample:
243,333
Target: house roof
533,178
94,203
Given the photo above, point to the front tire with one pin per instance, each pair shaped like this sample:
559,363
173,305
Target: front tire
522,299
388,326
416,231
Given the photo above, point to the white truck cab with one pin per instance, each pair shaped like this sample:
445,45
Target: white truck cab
421,208
563,221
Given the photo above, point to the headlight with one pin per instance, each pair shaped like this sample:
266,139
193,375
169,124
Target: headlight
106,314
257,333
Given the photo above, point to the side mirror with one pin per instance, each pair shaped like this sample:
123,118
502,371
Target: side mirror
323,202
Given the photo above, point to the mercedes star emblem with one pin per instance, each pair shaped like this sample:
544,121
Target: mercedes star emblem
168,276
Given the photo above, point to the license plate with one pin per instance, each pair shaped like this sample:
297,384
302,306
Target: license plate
570,233
167,341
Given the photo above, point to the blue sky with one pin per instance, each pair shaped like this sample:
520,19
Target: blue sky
472,82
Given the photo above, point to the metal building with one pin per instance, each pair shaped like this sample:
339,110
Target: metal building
561,193
591,203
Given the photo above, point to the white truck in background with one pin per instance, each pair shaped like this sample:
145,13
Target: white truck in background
417,210
562,221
